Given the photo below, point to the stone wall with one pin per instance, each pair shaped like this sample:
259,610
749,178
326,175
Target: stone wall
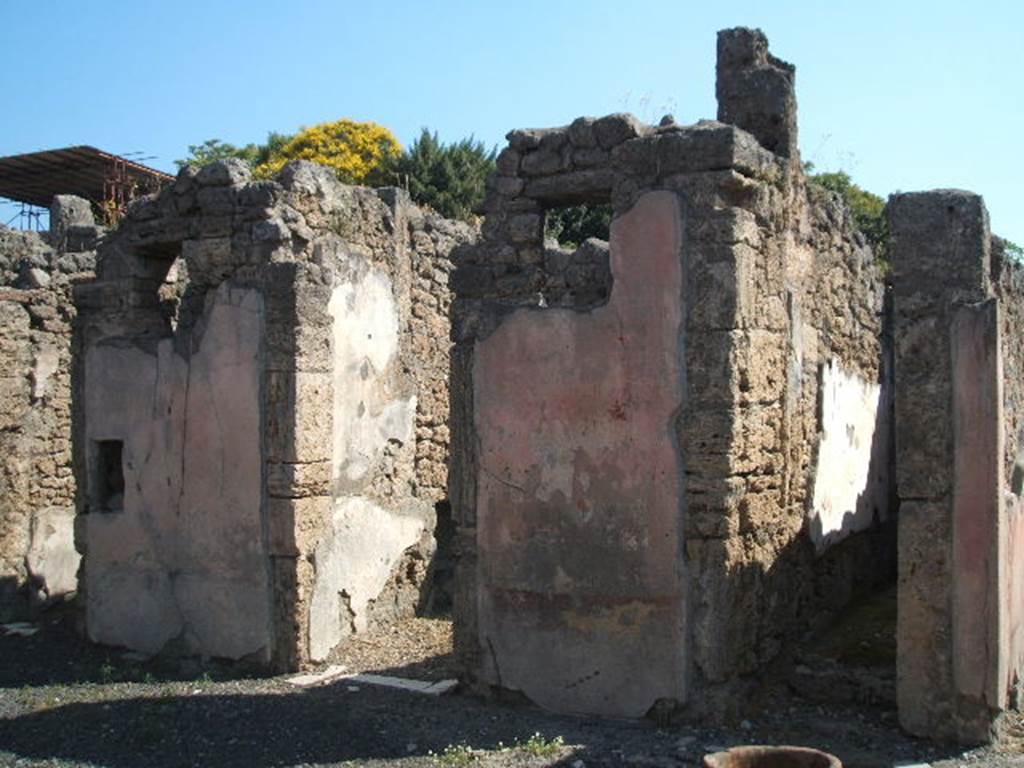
958,416
639,427
38,563
280,371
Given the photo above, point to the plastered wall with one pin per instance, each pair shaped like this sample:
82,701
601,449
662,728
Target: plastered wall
265,364
639,428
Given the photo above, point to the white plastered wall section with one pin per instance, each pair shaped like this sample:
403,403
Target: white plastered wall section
363,540
849,481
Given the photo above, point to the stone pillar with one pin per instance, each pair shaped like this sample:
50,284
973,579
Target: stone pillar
951,681
298,393
755,90
69,216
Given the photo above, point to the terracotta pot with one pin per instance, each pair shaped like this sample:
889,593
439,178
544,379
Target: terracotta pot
771,757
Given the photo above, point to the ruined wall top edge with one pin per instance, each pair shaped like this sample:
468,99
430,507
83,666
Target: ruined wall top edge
223,223
31,260
584,161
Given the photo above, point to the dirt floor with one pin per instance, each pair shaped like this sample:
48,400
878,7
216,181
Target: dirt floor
66,703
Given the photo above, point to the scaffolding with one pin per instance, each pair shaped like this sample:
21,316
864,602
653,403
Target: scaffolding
106,180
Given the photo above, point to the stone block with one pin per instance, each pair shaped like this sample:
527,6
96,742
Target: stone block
299,416
940,250
593,186
231,172
209,260
584,158
292,346
508,186
581,132
756,91
285,480
525,228
296,524
507,162
924,439
543,163
66,212
526,139
612,130
724,294
217,201
703,147
923,633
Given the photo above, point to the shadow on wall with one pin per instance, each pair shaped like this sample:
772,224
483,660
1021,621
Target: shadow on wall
439,585
10,599
798,592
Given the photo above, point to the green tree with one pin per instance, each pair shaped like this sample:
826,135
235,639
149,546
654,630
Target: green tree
314,144
212,150
447,177
868,209
572,225
274,143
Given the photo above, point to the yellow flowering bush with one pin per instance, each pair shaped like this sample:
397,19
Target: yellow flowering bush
356,151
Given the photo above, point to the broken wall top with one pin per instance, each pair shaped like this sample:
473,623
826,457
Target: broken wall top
216,223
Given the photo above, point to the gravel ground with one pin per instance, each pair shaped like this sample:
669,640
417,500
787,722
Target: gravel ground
66,703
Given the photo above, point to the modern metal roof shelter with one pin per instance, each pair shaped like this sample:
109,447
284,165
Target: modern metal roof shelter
110,181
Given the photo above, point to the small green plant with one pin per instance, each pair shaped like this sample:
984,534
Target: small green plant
868,209
107,672
1014,251
455,754
539,746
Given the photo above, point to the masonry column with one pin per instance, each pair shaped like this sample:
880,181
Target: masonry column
949,444
756,91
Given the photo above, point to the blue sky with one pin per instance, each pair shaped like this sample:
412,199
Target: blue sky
901,95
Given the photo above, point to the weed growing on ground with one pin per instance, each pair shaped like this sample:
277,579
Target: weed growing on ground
455,754
538,746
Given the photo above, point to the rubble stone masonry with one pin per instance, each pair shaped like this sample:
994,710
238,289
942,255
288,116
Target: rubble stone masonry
38,563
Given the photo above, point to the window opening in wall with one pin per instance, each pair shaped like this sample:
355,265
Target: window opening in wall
171,291
576,253
570,226
109,478
163,265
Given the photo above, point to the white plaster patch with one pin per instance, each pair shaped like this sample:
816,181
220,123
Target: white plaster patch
366,415
52,559
316,678
428,687
843,501
353,562
44,366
